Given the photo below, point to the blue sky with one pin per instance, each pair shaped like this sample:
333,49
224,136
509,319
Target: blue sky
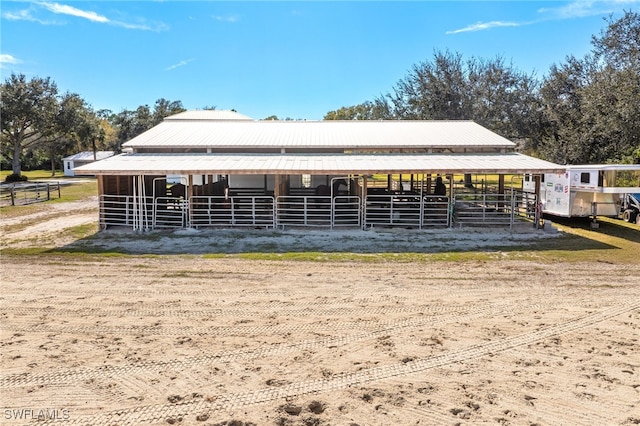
290,59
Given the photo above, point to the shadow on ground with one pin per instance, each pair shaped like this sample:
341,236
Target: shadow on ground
522,238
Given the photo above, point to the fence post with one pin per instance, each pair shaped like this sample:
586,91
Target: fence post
13,195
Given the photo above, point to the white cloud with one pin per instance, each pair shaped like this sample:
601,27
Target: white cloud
30,14
576,9
25,15
144,27
585,8
5,58
481,26
229,18
73,11
179,64
570,10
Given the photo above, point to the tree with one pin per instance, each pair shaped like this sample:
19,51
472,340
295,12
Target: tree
562,95
437,90
28,111
489,92
619,44
364,111
132,123
164,108
591,104
67,127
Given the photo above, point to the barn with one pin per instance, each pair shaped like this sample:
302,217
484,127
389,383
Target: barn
203,169
83,158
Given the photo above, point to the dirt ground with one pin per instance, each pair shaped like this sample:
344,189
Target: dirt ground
194,340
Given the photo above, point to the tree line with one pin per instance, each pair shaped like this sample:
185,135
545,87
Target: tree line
41,126
585,110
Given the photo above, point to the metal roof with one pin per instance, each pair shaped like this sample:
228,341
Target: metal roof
208,114
88,156
603,167
161,164
248,134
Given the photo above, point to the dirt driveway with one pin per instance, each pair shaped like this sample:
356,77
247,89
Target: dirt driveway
190,339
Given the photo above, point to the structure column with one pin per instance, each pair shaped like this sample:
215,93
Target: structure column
450,203
189,195
538,212
501,194
101,215
363,200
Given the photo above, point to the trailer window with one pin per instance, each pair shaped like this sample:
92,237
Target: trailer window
627,178
585,177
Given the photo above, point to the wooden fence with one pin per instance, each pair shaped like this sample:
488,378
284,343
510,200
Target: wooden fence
16,194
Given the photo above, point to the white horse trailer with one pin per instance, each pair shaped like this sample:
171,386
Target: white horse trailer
586,190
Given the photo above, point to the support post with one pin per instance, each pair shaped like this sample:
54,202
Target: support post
538,215
189,195
450,206
101,214
363,202
501,194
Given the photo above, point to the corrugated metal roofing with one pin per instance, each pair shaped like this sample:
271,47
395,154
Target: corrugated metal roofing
603,167
208,114
245,134
145,164
88,156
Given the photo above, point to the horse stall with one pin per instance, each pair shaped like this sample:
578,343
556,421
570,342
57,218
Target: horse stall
320,201
221,169
410,203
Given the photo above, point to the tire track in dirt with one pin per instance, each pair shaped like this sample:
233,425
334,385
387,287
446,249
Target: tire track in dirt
380,328
161,412
246,330
75,309
299,311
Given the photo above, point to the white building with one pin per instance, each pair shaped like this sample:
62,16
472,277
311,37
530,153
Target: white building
83,158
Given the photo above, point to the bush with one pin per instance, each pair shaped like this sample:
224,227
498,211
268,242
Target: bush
15,178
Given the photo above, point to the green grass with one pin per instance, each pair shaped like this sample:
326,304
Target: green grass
614,242
34,174
77,191
69,192
81,231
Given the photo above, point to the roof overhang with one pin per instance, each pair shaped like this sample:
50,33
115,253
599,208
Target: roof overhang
331,164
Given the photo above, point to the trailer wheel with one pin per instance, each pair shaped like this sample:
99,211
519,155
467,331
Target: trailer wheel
629,215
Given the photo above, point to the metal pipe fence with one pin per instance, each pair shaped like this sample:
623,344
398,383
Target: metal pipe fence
436,212
392,210
120,210
303,211
491,209
346,211
209,211
408,211
170,212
